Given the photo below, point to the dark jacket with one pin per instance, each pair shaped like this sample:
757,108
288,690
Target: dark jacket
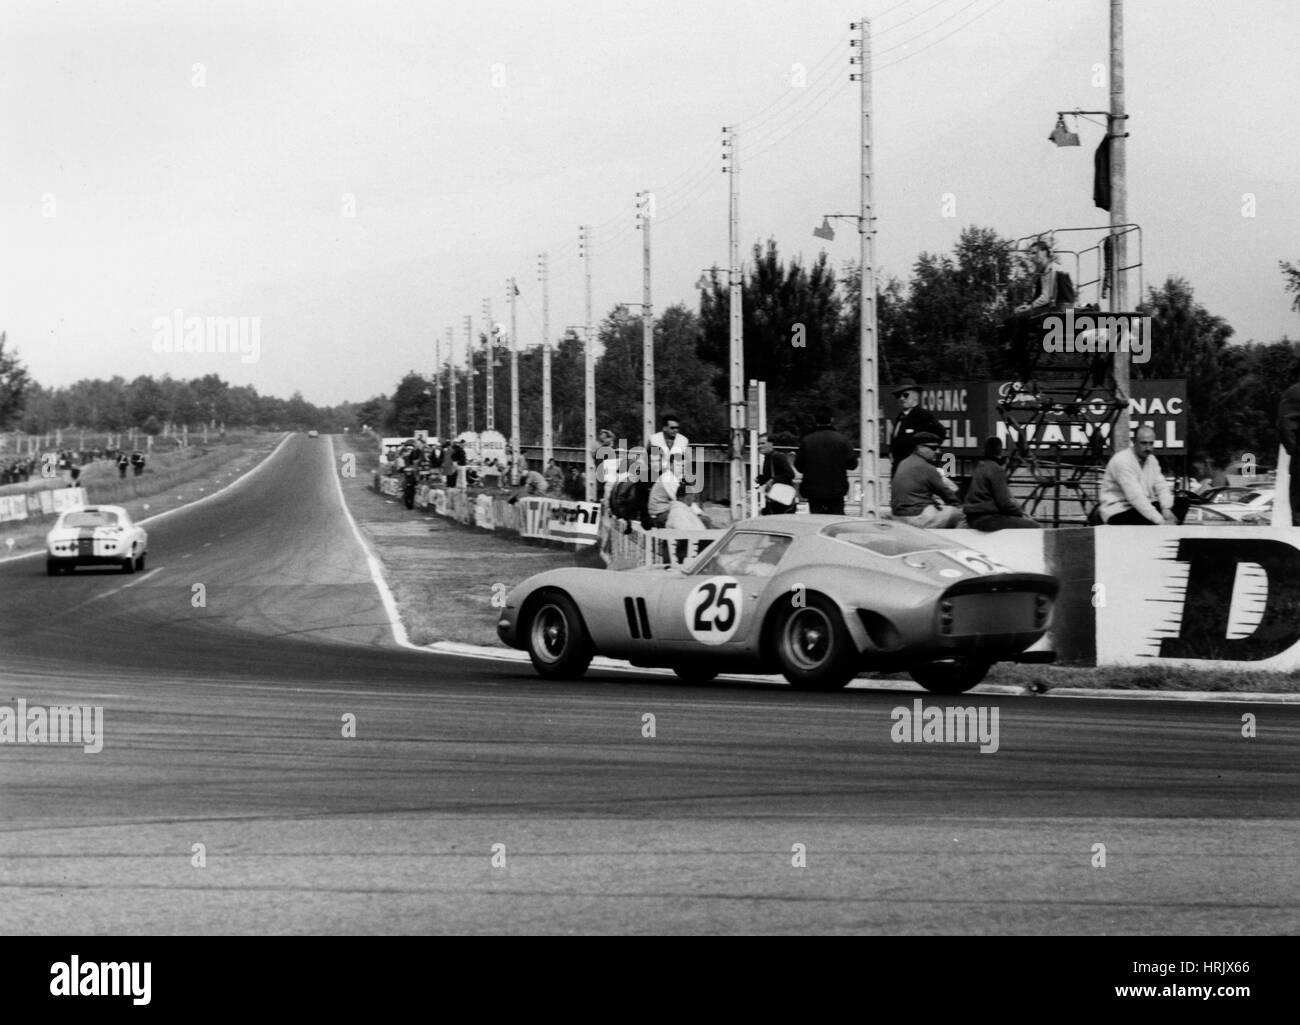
825,458
1288,422
910,423
776,468
988,493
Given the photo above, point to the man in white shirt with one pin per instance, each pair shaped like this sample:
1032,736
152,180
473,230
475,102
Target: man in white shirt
668,448
1133,490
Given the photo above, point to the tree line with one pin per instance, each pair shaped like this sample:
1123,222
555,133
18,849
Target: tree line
149,404
801,336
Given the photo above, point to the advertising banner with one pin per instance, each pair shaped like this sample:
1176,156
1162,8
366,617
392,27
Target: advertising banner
969,410
575,521
492,447
13,507
1216,598
536,515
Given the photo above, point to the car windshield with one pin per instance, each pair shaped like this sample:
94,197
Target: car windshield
746,553
90,518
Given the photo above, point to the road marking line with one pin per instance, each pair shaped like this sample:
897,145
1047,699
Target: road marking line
108,594
372,560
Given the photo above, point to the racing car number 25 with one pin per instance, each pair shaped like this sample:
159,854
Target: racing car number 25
713,610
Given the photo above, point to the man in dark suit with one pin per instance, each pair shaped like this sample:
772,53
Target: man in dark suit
912,420
1288,430
824,458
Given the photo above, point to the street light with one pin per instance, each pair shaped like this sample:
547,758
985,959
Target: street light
1061,135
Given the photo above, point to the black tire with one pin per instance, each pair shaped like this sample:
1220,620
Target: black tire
128,564
694,673
139,563
51,568
557,639
813,646
952,677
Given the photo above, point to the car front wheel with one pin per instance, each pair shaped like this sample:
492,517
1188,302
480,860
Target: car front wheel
557,640
952,677
813,646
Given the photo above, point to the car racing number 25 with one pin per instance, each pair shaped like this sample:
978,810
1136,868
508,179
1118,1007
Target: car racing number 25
713,610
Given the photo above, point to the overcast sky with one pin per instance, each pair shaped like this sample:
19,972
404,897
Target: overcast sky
361,175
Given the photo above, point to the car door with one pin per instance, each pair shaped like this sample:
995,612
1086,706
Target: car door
714,609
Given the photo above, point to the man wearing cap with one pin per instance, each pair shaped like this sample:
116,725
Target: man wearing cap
921,495
911,421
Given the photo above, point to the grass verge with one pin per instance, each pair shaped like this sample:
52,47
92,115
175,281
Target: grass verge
443,575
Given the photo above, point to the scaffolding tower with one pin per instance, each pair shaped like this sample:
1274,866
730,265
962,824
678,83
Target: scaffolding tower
1060,411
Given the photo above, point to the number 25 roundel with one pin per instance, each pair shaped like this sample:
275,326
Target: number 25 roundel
713,610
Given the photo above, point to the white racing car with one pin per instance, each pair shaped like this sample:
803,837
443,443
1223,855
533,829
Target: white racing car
99,535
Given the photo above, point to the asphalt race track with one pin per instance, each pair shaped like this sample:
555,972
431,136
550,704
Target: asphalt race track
223,727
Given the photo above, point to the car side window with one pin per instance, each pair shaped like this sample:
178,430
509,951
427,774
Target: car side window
747,555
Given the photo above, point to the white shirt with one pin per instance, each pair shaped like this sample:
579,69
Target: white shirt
1128,484
674,456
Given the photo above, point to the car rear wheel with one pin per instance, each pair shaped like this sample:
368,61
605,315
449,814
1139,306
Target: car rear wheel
813,646
557,640
693,673
139,563
51,568
952,677
128,564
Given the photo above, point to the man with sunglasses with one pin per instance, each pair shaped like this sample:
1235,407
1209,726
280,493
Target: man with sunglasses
920,494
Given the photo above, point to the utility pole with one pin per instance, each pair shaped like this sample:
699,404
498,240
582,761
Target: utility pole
868,343
512,293
543,276
451,383
731,168
469,382
589,370
489,365
1118,211
437,389
645,211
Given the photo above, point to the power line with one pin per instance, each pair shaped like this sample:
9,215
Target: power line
890,64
